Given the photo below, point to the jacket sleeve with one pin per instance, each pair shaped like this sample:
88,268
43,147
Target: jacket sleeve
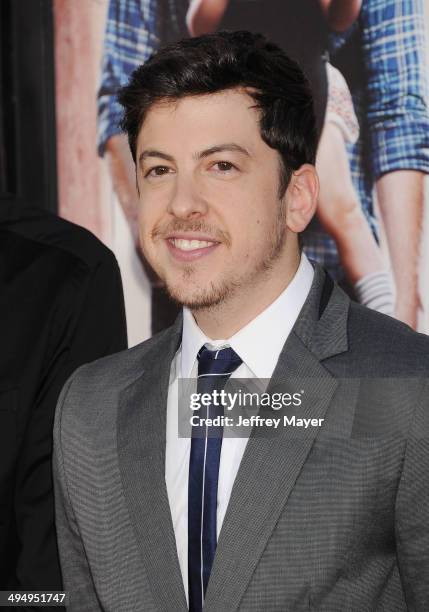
412,511
76,573
88,322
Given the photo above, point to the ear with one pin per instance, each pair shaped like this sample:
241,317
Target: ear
302,195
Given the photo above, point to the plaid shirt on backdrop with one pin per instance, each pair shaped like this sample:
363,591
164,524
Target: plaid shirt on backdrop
385,49
383,59
134,31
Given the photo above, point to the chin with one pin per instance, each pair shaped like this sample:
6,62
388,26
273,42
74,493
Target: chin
199,298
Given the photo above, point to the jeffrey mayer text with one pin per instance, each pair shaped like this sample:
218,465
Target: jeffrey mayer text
255,421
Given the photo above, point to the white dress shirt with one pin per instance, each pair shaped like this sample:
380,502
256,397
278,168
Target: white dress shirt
258,344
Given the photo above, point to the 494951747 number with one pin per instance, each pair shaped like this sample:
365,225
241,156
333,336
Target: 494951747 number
33,598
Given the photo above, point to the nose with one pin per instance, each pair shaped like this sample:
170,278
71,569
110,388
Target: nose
187,200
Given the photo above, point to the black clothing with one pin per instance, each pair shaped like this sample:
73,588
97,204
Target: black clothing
61,305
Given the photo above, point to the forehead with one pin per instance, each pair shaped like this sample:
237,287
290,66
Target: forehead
196,120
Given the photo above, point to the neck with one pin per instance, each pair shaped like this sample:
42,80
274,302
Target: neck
226,319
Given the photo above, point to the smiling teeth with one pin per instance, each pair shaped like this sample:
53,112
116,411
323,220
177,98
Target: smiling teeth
190,245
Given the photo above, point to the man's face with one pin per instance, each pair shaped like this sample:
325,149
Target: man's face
211,223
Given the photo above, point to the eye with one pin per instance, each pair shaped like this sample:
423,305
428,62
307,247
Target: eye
224,166
157,171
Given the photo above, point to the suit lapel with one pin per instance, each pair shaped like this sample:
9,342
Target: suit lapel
268,470
271,466
141,450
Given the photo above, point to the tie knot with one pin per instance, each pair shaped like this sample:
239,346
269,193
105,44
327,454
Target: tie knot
219,361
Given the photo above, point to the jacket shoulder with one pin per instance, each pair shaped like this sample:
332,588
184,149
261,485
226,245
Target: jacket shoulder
386,346
117,369
95,387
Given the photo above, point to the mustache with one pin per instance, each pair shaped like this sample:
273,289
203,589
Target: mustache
181,225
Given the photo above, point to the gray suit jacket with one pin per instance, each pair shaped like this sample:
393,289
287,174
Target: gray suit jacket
334,520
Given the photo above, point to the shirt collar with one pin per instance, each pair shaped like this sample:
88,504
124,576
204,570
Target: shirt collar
260,342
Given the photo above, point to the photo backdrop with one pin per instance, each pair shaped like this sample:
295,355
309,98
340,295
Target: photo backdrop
98,42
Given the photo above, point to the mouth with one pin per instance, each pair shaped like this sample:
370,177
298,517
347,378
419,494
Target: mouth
190,248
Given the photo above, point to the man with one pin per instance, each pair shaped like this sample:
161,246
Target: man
222,131
384,59
61,305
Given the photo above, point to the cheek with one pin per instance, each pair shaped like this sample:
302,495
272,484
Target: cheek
144,223
151,212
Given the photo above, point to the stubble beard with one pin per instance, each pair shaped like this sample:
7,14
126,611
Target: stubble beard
218,294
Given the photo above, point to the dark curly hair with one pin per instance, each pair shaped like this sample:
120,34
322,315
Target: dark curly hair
226,60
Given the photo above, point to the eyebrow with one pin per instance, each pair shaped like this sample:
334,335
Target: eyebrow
229,146
153,153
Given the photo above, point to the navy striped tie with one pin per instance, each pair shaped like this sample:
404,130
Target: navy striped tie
214,369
